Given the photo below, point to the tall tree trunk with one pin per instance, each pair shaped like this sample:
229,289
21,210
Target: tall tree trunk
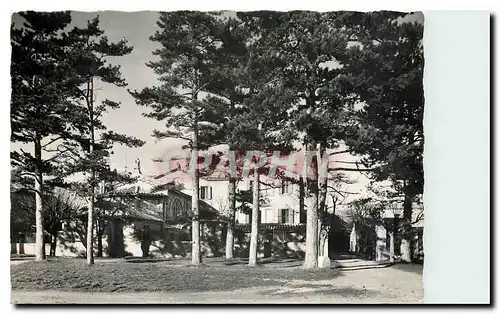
40,246
391,247
90,221
53,244
231,214
311,256
146,242
44,247
252,257
111,237
13,243
323,191
301,201
320,234
100,230
90,230
322,178
145,248
406,230
195,248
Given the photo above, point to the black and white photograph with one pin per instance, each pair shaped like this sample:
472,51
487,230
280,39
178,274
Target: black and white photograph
217,157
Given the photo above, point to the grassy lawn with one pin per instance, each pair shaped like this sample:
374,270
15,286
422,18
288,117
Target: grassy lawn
75,275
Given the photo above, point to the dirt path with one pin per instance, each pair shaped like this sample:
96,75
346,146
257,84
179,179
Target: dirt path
384,285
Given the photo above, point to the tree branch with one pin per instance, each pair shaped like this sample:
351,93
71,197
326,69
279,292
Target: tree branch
342,192
339,152
52,141
349,169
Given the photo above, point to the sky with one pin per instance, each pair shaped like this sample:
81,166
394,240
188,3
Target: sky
136,27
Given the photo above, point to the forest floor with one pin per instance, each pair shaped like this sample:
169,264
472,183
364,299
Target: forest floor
66,280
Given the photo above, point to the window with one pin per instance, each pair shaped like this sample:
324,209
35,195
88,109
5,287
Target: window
267,215
205,192
285,187
285,216
176,208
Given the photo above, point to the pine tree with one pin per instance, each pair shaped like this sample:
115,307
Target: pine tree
39,107
90,52
227,95
261,123
189,41
312,50
387,76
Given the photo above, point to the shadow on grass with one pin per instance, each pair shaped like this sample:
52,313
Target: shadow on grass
285,262
22,257
75,275
145,260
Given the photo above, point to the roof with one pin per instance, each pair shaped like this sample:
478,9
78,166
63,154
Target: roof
271,227
143,184
149,212
134,195
153,211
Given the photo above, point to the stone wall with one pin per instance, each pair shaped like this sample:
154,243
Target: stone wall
175,243
67,246
284,244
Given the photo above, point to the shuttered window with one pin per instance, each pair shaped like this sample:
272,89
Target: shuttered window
285,187
205,192
286,216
